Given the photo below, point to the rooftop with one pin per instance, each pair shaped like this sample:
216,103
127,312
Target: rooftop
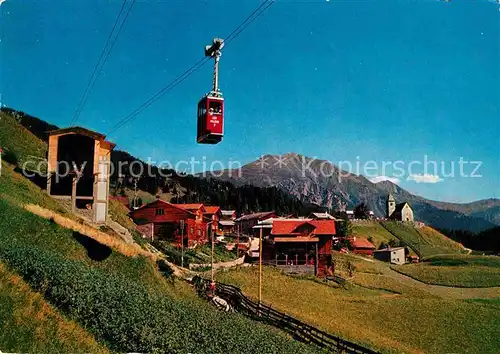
389,249
193,206
82,131
209,209
289,227
323,216
361,243
254,216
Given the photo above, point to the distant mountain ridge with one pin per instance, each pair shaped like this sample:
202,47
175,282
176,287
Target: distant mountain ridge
322,183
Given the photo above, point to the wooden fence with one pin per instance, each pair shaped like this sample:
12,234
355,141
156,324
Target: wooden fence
297,329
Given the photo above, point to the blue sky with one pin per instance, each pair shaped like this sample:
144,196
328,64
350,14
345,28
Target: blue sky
338,80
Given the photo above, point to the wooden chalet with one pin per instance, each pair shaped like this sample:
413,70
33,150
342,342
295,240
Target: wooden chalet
213,214
160,220
226,222
301,243
196,208
245,223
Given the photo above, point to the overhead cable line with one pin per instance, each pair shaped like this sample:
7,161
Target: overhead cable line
193,68
106,50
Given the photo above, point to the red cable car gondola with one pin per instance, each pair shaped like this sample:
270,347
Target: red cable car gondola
211,106
210,119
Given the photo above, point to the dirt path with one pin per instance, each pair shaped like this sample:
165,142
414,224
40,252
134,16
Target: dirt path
445,291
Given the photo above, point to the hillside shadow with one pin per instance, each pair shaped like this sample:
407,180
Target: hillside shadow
95,250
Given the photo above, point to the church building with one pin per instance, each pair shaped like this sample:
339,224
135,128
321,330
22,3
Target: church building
400,212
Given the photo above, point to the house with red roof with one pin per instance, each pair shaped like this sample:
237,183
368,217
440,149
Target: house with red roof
362,246
213,214
196,208
226,221
182,224
300,242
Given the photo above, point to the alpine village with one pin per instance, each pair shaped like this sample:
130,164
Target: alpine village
103,252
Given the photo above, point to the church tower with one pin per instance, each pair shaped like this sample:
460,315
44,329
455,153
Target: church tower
391,205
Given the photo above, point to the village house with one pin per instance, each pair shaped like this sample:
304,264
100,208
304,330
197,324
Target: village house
400,212
245,223
394,255
362,246
182,224
303,245
226,222
213,214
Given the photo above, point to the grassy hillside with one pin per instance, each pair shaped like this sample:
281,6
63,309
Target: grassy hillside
19,144
29,324
425,241
456,270
16,189
125,303
379,311
372,229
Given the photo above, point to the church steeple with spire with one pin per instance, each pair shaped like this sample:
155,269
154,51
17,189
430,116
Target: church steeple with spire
391,205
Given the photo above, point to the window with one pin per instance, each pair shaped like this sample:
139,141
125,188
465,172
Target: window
215,107
199,232
192,231
160,212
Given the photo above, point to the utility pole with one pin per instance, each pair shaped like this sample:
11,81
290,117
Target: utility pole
237,241
212,283
135,193
260,267
182,243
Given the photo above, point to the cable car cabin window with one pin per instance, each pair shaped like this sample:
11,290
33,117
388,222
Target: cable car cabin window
215,107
